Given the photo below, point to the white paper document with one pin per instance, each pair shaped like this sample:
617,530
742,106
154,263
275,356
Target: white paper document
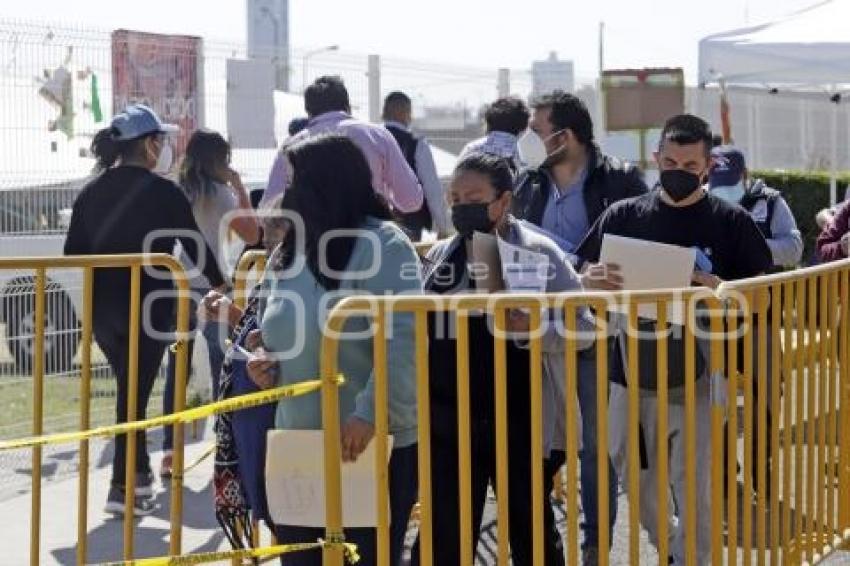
295,481
524,271
650,265
487,267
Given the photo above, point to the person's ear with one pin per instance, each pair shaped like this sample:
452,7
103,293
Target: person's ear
505,200
152,149
657,156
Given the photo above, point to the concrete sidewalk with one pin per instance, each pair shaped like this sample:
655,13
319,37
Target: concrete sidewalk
201,532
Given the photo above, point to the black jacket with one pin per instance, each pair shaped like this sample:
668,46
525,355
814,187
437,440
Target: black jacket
756,193
608,181
420,220
129,210
445,267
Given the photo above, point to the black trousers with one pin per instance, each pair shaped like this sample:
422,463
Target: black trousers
403,492
112,337
446,495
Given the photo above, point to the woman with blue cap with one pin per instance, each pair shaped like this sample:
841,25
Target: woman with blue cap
129,208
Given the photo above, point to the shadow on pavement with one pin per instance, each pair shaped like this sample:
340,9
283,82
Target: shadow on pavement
105,541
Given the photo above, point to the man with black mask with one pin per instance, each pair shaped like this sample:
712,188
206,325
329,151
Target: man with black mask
680,212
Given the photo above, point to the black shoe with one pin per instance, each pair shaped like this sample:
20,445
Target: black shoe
144,484
590,556
115,503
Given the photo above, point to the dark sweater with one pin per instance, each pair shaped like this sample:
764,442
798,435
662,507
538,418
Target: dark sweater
116,213
829,241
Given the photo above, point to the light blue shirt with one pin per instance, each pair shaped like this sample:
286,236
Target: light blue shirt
292,321
565,215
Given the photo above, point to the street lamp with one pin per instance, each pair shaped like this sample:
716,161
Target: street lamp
307,58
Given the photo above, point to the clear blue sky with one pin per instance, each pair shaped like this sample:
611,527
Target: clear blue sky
487,33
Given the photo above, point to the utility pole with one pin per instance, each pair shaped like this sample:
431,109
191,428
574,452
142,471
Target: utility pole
601,48
600,95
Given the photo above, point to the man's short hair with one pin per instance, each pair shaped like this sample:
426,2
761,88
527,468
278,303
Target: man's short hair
568,112
687,129
509,114
396,102
326,94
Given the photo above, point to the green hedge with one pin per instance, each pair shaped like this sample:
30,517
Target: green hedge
807,193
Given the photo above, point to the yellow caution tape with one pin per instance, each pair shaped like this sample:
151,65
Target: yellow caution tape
266,552
188,415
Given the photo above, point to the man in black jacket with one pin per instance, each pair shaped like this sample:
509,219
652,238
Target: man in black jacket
569,182
568,185
433,214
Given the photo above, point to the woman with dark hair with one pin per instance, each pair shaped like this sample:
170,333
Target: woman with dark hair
480,194
128,208
220,204
332,191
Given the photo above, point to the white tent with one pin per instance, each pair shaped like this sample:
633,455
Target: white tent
806,51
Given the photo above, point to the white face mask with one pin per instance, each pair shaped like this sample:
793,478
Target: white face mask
532,148
730,193
165,159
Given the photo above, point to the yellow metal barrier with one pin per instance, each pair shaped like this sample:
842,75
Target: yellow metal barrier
789,364
133,262
498,306
252,261
799,469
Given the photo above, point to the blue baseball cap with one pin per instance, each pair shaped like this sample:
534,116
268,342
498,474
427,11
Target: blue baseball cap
727,166
138,120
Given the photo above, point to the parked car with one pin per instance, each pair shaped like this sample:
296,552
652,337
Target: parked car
33,222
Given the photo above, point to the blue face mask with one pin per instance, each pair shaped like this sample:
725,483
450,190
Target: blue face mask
731,193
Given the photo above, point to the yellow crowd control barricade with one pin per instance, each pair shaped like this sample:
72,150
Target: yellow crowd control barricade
753,373
251,265
89,264
35,443
795,451
772,349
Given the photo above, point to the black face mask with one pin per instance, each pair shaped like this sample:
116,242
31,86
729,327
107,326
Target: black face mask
680,184
473,217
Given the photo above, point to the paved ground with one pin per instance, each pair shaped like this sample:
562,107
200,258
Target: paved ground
105,534
200,532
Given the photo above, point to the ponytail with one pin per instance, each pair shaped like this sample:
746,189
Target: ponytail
105,149
108,150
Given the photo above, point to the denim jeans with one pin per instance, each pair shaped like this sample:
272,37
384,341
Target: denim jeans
587,385
215,333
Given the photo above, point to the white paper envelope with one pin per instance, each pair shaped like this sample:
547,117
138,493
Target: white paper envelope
295,481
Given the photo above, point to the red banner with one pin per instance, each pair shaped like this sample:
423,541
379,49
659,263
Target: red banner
161,71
